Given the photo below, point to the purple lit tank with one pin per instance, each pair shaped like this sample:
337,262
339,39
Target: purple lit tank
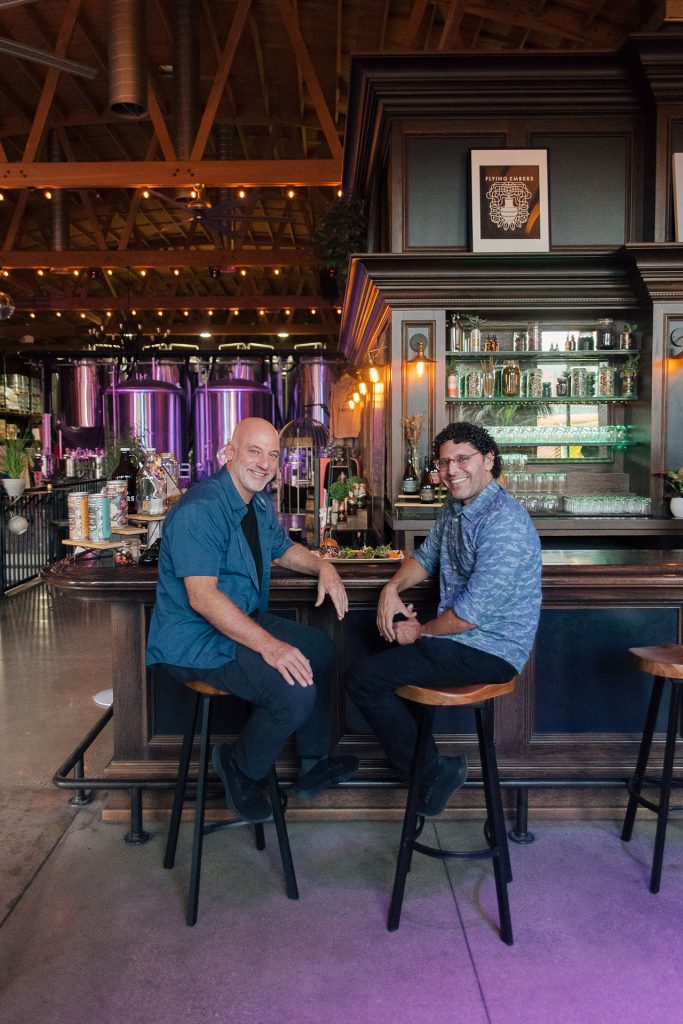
150,410
218,408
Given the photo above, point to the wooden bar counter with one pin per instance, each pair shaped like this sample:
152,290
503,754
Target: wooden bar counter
571,729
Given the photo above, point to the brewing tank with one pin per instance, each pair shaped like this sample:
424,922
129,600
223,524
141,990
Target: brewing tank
150,410
237,368
218,408
317,374
167,370
78,386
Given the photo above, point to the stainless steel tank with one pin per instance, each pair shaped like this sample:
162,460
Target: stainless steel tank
317,374
151,410
167,370
238,368
77,389
218,408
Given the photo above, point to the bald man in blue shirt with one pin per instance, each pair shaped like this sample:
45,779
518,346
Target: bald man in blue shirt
211,622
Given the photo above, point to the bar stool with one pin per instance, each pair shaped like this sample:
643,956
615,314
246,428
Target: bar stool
663,663
205,695
480,697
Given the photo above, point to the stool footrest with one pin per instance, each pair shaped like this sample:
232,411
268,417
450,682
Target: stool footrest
438,854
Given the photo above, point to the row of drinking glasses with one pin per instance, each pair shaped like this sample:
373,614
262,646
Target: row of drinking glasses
535,503
562,434
607,504
536,483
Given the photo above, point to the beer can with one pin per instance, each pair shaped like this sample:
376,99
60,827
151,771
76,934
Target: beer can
117,492
77,509
98,517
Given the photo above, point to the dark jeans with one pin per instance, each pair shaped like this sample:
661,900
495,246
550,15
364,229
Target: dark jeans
372,682
278,709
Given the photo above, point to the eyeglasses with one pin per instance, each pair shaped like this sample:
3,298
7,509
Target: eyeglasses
459,460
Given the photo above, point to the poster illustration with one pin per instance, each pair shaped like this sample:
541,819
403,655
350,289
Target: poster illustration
510,200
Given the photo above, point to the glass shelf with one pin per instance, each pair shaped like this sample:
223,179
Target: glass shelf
592,354
555,400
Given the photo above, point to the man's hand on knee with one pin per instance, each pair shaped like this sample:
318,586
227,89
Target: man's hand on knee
292,665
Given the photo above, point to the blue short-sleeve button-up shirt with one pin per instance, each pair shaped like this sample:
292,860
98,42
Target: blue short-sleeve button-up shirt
203,537
489,560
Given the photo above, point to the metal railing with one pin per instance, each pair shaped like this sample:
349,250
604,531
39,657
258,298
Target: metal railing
23,555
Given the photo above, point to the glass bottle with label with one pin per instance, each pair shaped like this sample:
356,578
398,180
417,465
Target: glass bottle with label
410,483
606,337
426,485
126,469
511,379
454,333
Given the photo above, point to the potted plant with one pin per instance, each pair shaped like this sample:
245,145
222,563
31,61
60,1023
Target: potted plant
629,372
673,485
627,335
343,230
14,459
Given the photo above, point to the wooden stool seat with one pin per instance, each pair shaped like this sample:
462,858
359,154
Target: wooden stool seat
481,697
660,661
664,663
205,694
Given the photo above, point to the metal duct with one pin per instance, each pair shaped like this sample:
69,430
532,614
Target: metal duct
127,65
59,212
185,76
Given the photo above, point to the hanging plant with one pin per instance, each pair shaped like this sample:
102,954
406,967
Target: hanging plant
342,231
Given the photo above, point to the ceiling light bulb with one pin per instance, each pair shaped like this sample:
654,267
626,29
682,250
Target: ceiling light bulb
41,273
363,388
209,312
110,273
356,396
186,312
243,273
76,272
143,273
261,312
374,374
82,316
339,193
160,312
176,272
145,193
241,193
313,312
32,315
133,312
58,313
287,312
47,193
205,334
352,404
290,193
2,197
276,271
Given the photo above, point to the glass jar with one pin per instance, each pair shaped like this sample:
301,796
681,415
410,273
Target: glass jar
606,337
579,382
534,337
150,485
605,381
511,380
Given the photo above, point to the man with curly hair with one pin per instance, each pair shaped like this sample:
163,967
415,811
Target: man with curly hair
488,556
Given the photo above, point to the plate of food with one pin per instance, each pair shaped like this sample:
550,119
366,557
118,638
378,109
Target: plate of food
331,550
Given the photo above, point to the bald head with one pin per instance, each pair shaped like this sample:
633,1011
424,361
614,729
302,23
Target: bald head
252,456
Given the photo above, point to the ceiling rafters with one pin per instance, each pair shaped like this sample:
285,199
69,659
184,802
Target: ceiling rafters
220,78
310,77
450,38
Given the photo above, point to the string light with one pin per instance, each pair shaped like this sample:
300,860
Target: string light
363,388
374,374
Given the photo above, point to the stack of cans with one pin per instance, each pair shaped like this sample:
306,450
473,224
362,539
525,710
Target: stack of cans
89,516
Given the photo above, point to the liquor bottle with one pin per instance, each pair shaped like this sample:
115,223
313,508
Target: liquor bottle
454,333
127,470
426,485
410,483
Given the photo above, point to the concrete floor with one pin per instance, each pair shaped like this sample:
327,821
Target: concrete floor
93,929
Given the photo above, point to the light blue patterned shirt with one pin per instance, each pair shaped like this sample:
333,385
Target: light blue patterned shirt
489,560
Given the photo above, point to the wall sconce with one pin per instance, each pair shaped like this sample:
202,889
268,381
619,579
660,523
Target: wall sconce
417,344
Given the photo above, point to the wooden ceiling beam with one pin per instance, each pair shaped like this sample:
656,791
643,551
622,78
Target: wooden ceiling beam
220,78
303,57
114,259
171,174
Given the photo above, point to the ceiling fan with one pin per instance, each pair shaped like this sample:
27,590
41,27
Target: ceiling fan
51,60
224,218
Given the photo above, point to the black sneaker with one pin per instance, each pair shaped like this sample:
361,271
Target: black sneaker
327,773
243,795
435,794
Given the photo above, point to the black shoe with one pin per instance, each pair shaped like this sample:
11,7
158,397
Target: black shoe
242,794
327,773
435,794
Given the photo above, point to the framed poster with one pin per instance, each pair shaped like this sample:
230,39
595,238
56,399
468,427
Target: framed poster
510,200
678,195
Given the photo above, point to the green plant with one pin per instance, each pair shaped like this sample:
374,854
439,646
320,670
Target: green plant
340,489
631,364
452,365
343,230
673,482
630,328
14,457
475,321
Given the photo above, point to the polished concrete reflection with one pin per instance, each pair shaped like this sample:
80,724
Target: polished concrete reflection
93,929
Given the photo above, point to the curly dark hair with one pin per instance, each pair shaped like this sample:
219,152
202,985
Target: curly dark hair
468,433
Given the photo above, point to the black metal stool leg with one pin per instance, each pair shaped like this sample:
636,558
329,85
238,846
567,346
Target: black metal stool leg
636,780
494,808
665,789
282,837
200,807
259,836
405,850
181,786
